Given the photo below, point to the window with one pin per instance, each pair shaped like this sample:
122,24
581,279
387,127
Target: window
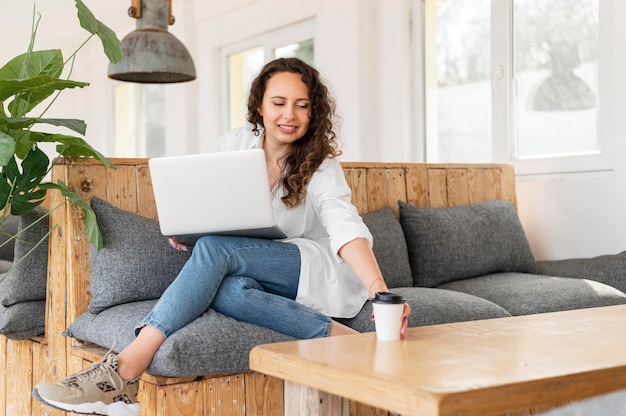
244,60
515,80
139,120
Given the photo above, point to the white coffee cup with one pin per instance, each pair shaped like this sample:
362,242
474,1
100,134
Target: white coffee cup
388,308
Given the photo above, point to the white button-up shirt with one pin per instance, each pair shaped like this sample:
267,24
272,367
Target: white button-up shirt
320,226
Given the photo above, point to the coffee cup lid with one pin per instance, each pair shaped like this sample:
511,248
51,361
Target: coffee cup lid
388,297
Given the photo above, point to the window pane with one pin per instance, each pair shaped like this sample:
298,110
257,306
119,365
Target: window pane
461,127
154,113
556,72
242,68
125,104
303,50
139,120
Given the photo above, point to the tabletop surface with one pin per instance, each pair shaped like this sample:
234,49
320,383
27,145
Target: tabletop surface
476,367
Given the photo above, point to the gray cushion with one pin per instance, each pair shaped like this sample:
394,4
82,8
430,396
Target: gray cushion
211,344
609,269
448,244
524,294
433,307
23,320
27,280
136,262
5,266
613,404
9,228
389,247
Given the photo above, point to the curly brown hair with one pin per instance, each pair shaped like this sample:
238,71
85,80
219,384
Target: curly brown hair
317,144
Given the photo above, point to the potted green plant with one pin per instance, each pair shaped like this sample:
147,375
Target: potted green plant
28,82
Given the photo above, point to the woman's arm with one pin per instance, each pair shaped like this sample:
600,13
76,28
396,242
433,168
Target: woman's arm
360,257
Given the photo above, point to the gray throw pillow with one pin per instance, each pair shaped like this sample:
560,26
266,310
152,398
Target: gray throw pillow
27,280
389,247
7,245
448,244
23,320
136,262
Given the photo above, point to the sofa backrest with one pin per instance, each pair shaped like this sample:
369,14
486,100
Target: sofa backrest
379,185
374,186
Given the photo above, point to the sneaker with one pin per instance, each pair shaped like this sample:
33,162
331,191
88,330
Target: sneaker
97,389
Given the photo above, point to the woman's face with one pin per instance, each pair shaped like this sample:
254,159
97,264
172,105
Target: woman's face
286,109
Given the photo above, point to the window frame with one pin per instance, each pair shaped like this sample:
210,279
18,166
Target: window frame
268,41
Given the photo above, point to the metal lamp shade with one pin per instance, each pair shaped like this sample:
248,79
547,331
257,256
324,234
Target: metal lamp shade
153,56
150,53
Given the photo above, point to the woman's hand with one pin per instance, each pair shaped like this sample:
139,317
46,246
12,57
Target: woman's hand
178,246
406,312
405,320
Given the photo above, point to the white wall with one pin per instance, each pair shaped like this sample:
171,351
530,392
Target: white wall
363,50
583,215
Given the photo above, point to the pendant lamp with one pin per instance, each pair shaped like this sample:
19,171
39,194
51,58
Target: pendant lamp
151,53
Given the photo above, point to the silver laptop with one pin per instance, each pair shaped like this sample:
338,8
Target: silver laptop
223,193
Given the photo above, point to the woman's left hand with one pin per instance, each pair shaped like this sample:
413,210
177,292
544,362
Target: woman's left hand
178,246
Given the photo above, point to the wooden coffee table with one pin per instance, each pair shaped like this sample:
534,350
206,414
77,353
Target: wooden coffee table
489,367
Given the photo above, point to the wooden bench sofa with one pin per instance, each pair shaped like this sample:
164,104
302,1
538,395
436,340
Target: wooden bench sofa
53,356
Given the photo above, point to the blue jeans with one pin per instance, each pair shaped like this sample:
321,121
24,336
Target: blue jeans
248,279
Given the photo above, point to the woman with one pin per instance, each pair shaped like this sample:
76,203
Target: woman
325,269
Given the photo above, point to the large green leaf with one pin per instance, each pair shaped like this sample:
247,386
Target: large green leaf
7,148
91,223
28,65
23,144
110,41
79,126
19,70
32,91
70,146
23,187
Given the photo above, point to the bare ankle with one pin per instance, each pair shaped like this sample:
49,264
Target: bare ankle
126,371
339,329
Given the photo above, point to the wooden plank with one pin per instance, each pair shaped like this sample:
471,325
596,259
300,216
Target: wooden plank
396,188
508,184
12,351
51,358
89,179
437,189
417,186
145,193
19,377
39,351
457,187
493,184
360,409
264,395
180,399
4,362
25,383
75,364
476,185
147,396
304,400
121,188
376,189
224,396
357,181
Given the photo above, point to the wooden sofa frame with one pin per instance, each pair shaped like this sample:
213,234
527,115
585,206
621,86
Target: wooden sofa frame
52,356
